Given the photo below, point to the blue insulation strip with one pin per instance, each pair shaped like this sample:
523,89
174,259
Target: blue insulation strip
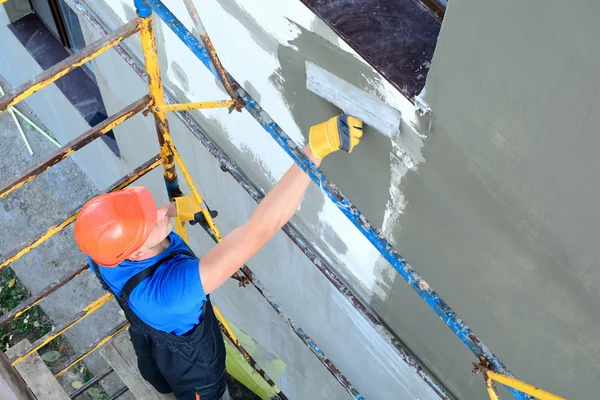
434,301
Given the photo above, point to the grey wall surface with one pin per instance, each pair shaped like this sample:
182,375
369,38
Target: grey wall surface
502,219
495,205
325,314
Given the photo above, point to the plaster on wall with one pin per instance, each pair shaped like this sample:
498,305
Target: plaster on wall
307,295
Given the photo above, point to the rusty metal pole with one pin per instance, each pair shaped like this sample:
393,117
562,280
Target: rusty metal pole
155,85
67,65
238,102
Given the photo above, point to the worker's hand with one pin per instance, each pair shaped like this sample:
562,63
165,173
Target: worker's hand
339,133
171,209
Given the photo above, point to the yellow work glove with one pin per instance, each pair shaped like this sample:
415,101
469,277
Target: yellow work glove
339,133
187,207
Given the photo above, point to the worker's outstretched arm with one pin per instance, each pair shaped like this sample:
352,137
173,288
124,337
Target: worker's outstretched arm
278,206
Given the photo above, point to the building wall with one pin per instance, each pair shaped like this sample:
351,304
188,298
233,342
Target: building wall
278,48
49,104
491,197
502,217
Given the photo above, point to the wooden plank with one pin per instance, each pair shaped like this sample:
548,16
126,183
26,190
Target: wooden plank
12,385
120,355
36,375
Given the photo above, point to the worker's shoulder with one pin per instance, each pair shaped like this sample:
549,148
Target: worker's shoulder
175,286
178,247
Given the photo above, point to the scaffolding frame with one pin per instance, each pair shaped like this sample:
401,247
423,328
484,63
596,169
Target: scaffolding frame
169,157
491,367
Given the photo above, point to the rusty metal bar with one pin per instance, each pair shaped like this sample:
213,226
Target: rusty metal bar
491,388
44,340
167,148
216,65
512,382
32,301
155,85
67,65
118,393
91,383
121,183
90,349
76,144
196,105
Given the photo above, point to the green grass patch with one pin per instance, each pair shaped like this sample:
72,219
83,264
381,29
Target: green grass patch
32,324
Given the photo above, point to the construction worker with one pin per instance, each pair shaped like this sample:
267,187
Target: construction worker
163,288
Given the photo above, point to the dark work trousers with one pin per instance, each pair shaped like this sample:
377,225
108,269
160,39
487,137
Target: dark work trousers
192,366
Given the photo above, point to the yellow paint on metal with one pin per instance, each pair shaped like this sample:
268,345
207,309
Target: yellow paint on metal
90,351
104,130
89,309
489,384
40,85
523,387
99,302
168,163
57,228
17,315
167,148
199,199
47,235
181,229
232,336
155,86
20,184
197,105
230,333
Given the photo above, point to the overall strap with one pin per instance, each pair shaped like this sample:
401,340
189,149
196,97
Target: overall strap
147,273
96,270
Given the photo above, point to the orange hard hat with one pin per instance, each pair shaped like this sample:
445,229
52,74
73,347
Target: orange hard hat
112,226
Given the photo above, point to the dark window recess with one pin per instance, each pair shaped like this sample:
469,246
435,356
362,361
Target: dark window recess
71,23
108,137
397,37
77,86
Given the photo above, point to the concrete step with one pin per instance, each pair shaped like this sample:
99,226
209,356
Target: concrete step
36,375
120,355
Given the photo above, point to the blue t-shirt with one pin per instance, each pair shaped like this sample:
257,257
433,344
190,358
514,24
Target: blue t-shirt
170,300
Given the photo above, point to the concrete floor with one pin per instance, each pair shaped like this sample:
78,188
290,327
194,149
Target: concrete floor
29,211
